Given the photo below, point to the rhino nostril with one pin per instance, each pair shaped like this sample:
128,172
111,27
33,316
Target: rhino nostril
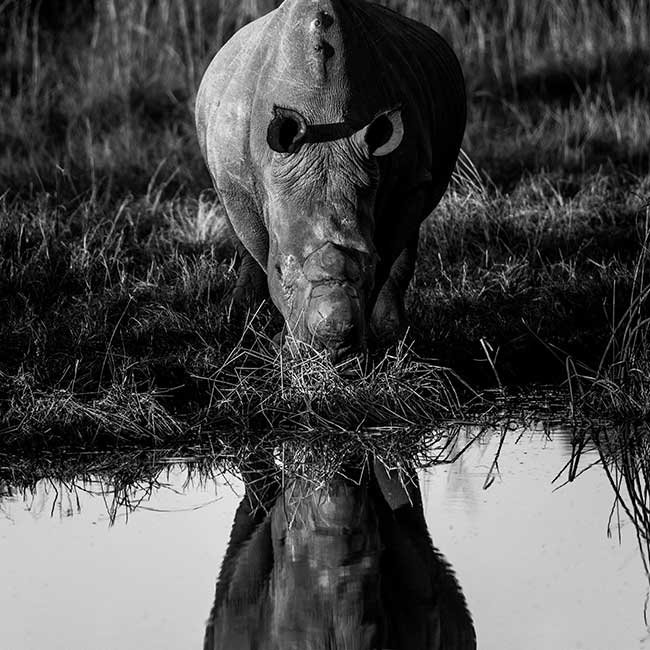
278,270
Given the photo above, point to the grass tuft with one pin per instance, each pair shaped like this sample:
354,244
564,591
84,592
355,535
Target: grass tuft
620,387
300,388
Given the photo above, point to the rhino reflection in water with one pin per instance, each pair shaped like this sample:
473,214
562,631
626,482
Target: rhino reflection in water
331,129
349,566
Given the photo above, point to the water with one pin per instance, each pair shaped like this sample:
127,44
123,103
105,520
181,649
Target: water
536,564
71,581
538,567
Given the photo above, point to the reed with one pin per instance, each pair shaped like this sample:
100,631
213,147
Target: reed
619,388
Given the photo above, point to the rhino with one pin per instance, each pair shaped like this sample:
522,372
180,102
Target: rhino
347,565
331,129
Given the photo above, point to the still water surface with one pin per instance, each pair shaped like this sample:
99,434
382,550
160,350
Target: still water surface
536,564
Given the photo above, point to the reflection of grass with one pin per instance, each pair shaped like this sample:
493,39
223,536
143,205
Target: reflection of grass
624,454
127,475
115,277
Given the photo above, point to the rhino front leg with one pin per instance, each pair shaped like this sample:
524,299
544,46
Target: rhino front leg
251,286
388,321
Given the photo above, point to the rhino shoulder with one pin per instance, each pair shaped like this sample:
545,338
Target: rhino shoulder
223,78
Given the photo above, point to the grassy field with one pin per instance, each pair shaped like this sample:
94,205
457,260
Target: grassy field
116,273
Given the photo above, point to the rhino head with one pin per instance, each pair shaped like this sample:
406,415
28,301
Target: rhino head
321,186
297,115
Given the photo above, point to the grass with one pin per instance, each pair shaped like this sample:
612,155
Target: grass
256,389
620,386
625,456
623,452
116,270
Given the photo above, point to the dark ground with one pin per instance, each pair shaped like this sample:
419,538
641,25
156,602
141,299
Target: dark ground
115,275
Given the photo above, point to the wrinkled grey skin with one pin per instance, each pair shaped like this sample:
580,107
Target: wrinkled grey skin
349,566
331,129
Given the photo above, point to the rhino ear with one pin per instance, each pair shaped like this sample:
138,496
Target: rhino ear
384,134
286,130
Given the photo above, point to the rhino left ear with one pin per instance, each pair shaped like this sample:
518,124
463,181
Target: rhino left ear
384,134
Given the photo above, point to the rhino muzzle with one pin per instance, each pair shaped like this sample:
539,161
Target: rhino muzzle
334,312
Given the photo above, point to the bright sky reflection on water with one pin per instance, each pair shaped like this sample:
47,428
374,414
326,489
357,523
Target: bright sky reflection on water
75,582
536,565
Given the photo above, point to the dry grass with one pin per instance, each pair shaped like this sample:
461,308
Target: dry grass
252,391
301,388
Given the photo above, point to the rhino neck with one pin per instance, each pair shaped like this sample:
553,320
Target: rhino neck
325,582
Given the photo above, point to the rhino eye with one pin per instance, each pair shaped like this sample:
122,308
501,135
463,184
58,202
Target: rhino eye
286,130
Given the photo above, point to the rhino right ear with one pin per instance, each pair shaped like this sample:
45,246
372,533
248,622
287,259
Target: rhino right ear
286,130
